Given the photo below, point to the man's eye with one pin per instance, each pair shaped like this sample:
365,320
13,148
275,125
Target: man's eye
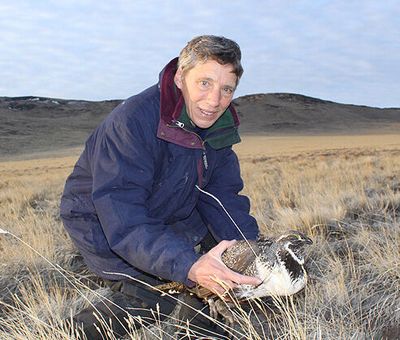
228,90
204,83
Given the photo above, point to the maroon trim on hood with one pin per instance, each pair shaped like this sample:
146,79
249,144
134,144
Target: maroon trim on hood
235,116
171,105
170,94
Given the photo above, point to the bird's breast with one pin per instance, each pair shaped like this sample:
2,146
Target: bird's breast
276,282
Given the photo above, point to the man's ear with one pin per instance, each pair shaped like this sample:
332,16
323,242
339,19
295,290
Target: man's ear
178,78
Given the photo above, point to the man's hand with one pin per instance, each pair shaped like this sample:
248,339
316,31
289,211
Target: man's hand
210,272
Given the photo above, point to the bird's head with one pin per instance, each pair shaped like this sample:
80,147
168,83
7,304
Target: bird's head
294,242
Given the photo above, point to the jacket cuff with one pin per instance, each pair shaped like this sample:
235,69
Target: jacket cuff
183,271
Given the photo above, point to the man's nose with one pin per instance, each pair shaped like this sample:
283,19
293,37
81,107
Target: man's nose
214,97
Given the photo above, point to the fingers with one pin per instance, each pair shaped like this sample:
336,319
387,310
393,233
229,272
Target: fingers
247,280
221,247
210,272
230,275
229,279
221,287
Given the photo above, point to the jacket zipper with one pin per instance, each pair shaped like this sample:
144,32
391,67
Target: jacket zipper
178,124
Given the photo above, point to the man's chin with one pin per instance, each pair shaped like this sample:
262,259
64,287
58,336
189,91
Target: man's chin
204,122
204,125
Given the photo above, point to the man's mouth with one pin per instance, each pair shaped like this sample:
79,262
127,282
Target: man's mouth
207,113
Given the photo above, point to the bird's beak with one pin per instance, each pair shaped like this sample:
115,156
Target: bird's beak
307,240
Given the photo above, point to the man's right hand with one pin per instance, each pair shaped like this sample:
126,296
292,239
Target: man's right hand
210,272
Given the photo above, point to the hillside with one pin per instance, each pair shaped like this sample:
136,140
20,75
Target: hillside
37,124
288,113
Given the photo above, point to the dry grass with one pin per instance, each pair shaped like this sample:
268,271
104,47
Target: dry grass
347,199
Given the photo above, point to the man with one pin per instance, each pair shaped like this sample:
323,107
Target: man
131,204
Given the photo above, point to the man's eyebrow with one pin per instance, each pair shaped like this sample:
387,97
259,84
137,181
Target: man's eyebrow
233,87
206,78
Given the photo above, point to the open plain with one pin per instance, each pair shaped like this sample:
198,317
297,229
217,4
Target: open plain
343,189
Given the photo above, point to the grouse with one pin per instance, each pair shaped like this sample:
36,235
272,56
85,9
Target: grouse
278,262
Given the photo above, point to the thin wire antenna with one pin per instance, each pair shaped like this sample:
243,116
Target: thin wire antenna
230,217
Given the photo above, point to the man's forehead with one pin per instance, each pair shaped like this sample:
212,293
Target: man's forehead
211,68
211,63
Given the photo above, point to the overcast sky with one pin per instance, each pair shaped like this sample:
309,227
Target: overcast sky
345,51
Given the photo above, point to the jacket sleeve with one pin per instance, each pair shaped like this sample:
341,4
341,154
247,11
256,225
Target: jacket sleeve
123,167
225,184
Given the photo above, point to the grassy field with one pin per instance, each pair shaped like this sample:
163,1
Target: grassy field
344,191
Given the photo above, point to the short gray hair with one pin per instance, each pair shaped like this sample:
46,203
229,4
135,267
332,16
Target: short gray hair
211,47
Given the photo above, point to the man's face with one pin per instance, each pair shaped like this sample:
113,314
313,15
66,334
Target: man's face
208,90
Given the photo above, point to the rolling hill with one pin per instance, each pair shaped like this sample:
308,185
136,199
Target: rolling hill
37,124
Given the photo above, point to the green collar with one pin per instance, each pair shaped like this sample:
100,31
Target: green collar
221,134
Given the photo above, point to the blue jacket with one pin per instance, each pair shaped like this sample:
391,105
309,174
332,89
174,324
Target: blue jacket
131,204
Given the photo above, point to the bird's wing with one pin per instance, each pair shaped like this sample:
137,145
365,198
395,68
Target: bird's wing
239,258
241,255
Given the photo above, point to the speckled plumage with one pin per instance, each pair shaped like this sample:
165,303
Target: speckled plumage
278,262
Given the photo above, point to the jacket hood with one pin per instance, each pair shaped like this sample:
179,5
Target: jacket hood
171,105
